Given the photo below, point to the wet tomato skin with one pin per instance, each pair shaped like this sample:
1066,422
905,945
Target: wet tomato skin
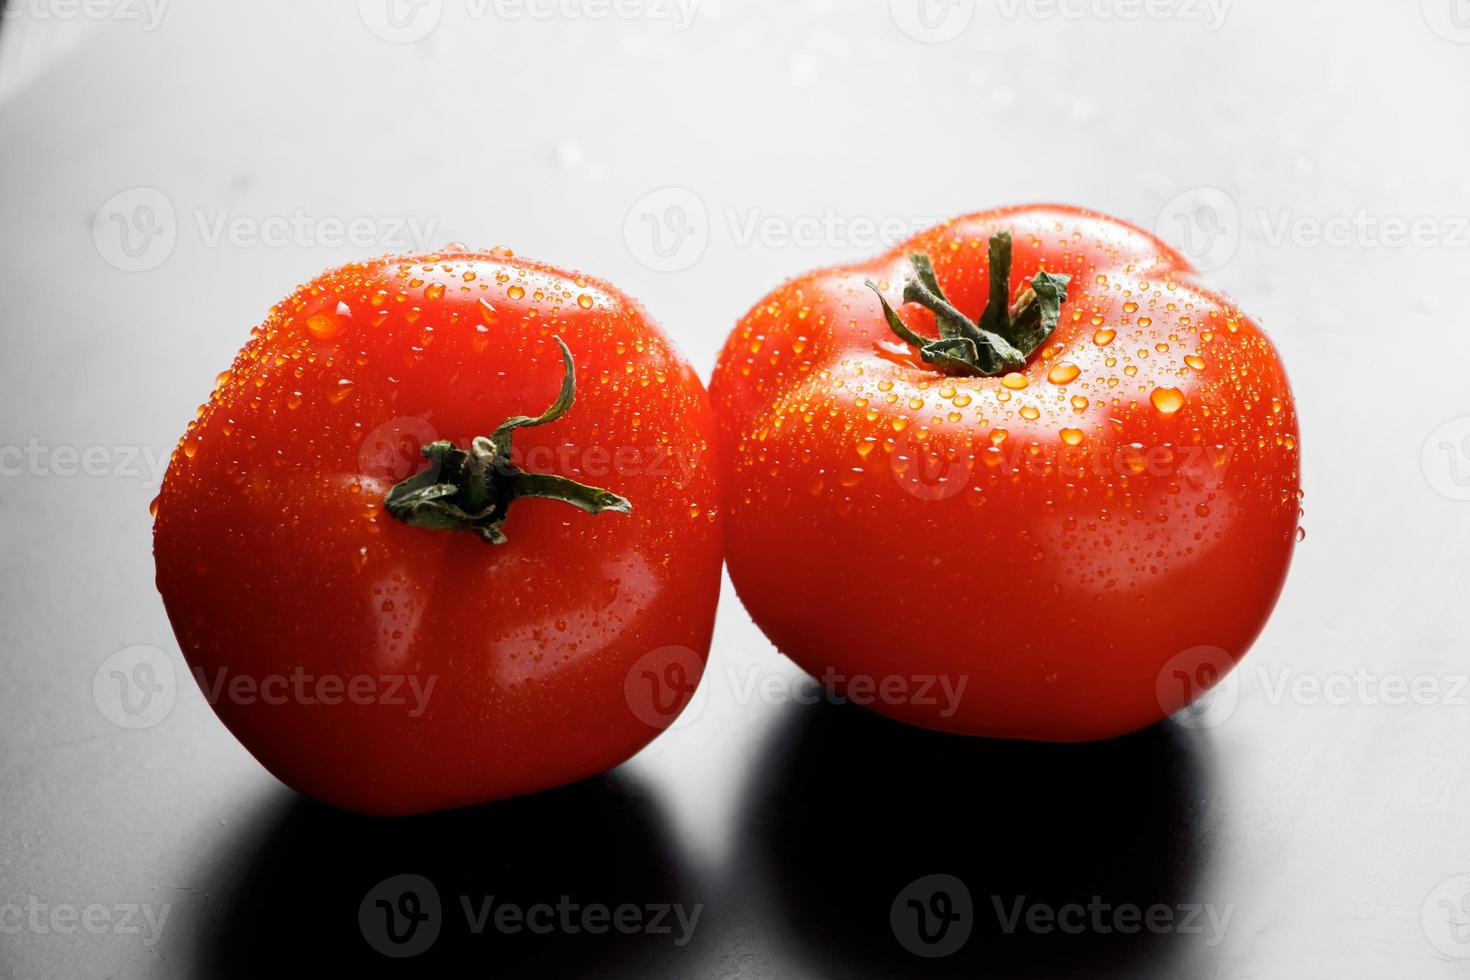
1085,544
481,670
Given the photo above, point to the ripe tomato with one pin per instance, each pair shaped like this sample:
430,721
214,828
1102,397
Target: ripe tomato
318,574
975,523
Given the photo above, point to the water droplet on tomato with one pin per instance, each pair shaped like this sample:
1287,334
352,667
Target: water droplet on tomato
1167,400
325,326
1063,373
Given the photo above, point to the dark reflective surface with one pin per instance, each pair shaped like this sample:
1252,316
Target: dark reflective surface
600,844
848,809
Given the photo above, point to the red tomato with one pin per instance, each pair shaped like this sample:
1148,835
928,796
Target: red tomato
1047,535
451,648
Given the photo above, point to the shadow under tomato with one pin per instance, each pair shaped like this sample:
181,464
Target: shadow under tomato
324,893
854,815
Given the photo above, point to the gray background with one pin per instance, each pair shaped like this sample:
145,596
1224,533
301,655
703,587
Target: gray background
1332,828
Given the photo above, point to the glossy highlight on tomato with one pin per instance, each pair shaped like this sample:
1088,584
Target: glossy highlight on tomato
383,659
1086,535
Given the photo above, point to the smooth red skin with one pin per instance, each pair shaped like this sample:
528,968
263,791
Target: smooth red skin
1063,597
260,536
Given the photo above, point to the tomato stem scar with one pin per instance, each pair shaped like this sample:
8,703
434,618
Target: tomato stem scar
473,490
1006,334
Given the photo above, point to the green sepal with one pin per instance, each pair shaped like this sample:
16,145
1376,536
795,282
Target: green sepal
472,490
1005,335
